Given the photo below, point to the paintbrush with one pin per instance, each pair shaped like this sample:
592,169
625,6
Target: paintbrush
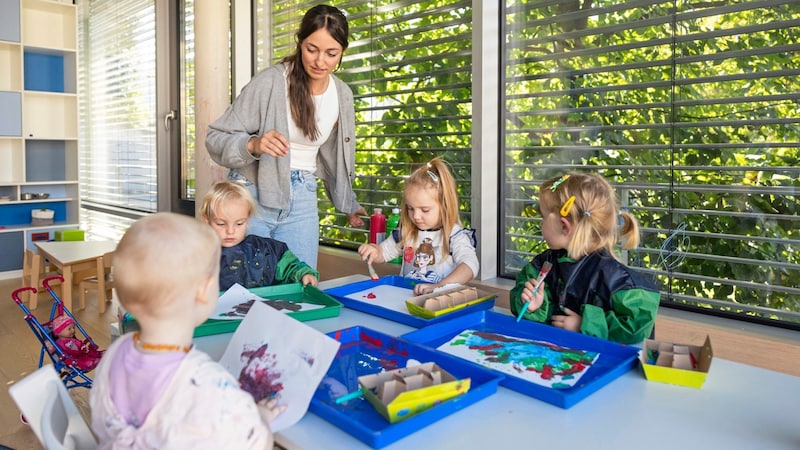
351,396
542,273
372,273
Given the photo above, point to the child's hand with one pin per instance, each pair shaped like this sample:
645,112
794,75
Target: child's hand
269,409
537,300
370,253
572,321
423,288
309,279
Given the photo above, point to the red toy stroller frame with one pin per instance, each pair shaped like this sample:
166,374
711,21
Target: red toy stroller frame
72,375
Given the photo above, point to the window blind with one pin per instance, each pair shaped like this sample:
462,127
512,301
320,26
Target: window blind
409,65
691,110
117,90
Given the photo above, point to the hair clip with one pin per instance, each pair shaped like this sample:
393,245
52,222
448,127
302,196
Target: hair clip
558,182
567,206
433,176
587,213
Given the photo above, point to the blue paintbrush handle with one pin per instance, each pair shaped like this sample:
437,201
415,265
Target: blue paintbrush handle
351,396
539,280
522,311
525,306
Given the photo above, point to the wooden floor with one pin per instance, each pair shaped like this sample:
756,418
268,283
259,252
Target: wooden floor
20,352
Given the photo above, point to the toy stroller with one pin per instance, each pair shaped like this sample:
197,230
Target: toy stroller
66,358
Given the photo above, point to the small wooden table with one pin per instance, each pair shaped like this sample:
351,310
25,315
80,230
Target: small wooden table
71,257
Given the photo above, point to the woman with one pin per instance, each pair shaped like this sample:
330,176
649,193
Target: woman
291,123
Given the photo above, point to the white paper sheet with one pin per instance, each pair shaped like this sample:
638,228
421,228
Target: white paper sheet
273,353
237,295
538,362
385,295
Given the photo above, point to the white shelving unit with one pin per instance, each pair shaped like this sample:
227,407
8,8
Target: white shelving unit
38,122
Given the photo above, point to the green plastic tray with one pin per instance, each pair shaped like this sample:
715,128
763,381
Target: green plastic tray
292,292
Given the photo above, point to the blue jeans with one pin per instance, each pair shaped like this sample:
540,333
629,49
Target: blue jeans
297,226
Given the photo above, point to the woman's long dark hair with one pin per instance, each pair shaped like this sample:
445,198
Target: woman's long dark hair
300,97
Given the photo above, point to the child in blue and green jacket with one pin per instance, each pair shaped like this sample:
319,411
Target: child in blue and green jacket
588,290
251,261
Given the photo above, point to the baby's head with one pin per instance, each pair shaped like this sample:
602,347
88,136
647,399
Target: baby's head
226,207
163,262
63,326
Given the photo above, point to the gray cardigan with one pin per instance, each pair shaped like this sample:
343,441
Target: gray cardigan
260,107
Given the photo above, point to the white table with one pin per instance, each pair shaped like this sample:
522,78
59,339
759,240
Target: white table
738,407
71,257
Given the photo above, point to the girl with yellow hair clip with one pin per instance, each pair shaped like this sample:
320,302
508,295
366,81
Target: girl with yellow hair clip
588,290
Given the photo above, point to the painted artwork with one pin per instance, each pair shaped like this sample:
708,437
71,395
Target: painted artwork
237,301
277,357
539,362
386,296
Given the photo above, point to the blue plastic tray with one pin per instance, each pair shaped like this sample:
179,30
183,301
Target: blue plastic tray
340,293
364,352
614,360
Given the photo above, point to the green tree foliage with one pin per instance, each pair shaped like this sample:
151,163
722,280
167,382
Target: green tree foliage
689,107
691,110
409,66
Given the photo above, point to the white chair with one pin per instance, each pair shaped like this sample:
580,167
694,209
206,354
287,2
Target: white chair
50,411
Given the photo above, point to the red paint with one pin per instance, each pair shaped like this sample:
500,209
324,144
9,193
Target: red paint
377,227
547,372
388,364
371,340
395,351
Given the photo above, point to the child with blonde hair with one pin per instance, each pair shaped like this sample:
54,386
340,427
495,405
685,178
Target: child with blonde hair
251,261
153,389
588,290
436,249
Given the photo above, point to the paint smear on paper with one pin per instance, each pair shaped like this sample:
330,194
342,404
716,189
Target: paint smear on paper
260,375
539,362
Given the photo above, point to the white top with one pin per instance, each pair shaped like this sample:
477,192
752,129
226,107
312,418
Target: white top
302,149
420,264
202,407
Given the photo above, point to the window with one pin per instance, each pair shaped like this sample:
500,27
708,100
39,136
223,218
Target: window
691,110
136,78
409,65
118,145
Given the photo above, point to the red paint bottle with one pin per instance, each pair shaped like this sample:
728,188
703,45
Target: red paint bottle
377,227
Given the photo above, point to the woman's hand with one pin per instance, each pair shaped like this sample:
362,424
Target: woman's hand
270,143
355,220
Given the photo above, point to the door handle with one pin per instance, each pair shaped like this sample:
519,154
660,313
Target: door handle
168,118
